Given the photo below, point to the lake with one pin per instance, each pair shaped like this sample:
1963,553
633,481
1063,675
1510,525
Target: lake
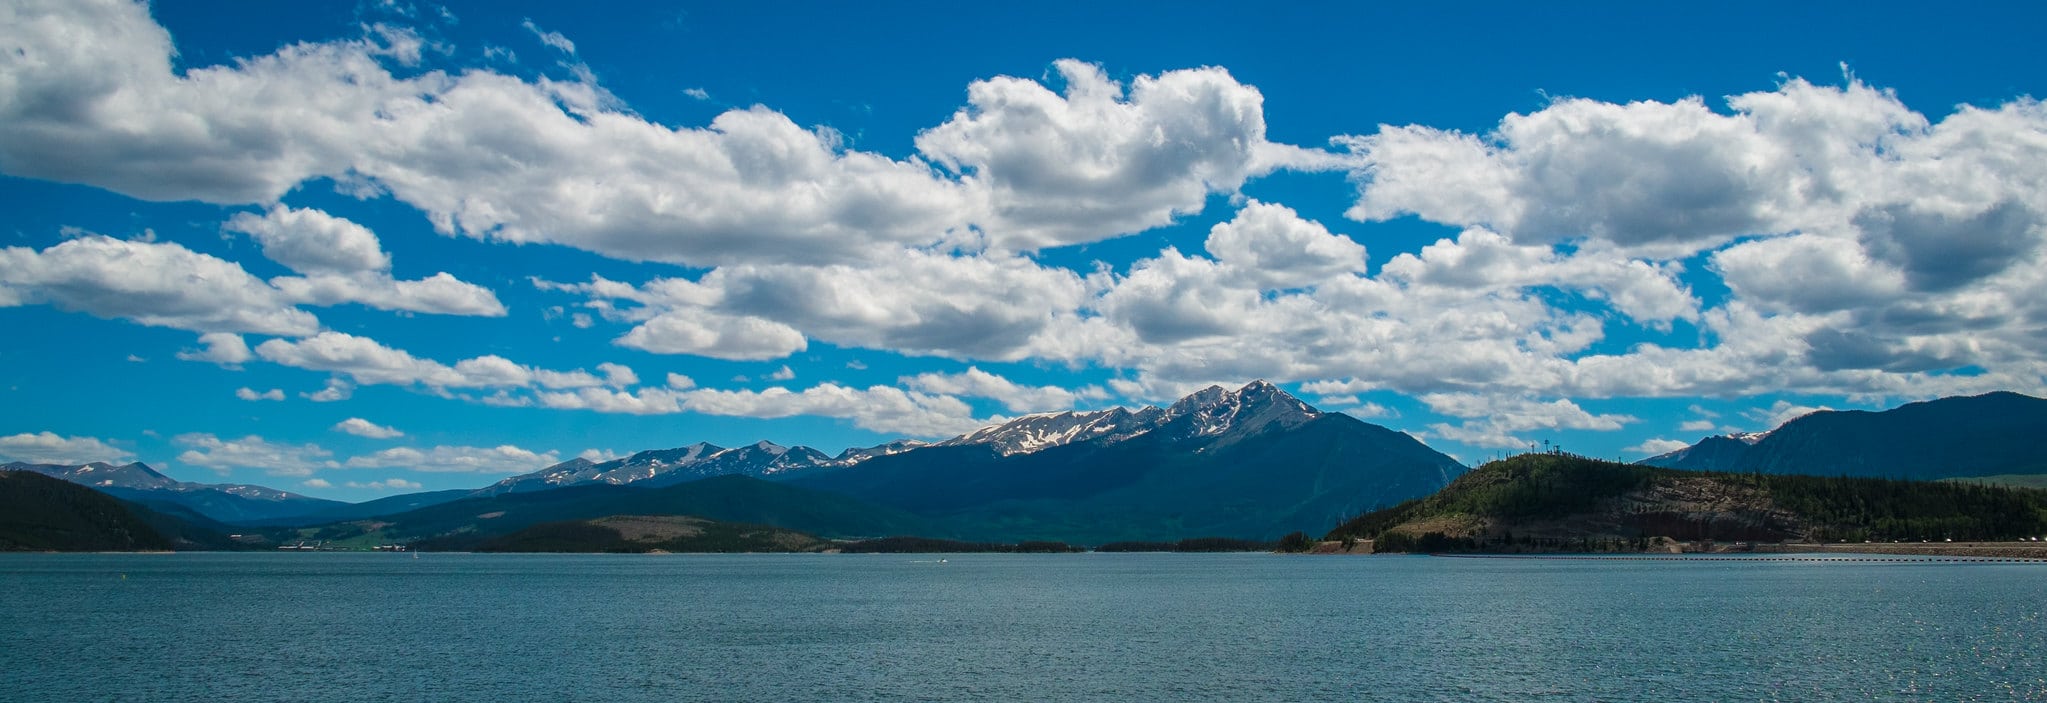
1093,627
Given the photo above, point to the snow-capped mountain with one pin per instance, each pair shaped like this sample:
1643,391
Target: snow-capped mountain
1038,431
1229,416
1210,412
1715,453
1253,461
856,455
664,467
226,502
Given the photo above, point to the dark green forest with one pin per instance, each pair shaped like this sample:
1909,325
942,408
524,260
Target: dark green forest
40,513
1550,489
927,545
706,537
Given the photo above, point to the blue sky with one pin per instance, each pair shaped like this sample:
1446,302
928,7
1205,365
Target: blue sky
353,249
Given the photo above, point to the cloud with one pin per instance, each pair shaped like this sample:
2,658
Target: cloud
646,401
224,348
680,382
1655,447
1175,298
1806,273
502,459
553,40
250,394
389,484
51,448
364,428
252,452
1478,434
705,333
618,375
1524,413
483,154
311,241
316,483
782,374
1491,421
1275,248
878,408
1696,426
1371,411
342,262
361,358
335,390
1863,248
1638,174
156,284
1780,412
93,99
976,383
987,305
1940,251
369,362
1094,161
439,294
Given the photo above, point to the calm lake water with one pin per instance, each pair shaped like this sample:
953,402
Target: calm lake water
1108,627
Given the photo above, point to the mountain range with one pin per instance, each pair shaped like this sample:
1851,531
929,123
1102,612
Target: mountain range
1996,434
667,467
226,502
1252,462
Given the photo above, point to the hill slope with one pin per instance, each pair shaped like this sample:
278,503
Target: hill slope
1984,435
468,523
42,513
1547,501
223,502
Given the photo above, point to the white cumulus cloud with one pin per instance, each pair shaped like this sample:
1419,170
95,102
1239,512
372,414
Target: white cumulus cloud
364,428
252,452
501,459
51,448
157,284
250,394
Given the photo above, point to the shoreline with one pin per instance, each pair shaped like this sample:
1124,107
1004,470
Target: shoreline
2030,551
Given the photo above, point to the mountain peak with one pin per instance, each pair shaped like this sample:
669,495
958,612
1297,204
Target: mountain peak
1214,411
1205,398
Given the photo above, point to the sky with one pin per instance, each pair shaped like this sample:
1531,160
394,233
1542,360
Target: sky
351,250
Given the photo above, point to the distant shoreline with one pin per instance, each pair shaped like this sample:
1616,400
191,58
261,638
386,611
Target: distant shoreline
2006,550
2035,551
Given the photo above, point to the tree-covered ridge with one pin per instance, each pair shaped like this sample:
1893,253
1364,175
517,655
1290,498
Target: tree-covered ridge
651,533
927,545
1541,501
40,513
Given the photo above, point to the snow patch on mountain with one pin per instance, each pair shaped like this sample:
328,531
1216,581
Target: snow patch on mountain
1211,412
